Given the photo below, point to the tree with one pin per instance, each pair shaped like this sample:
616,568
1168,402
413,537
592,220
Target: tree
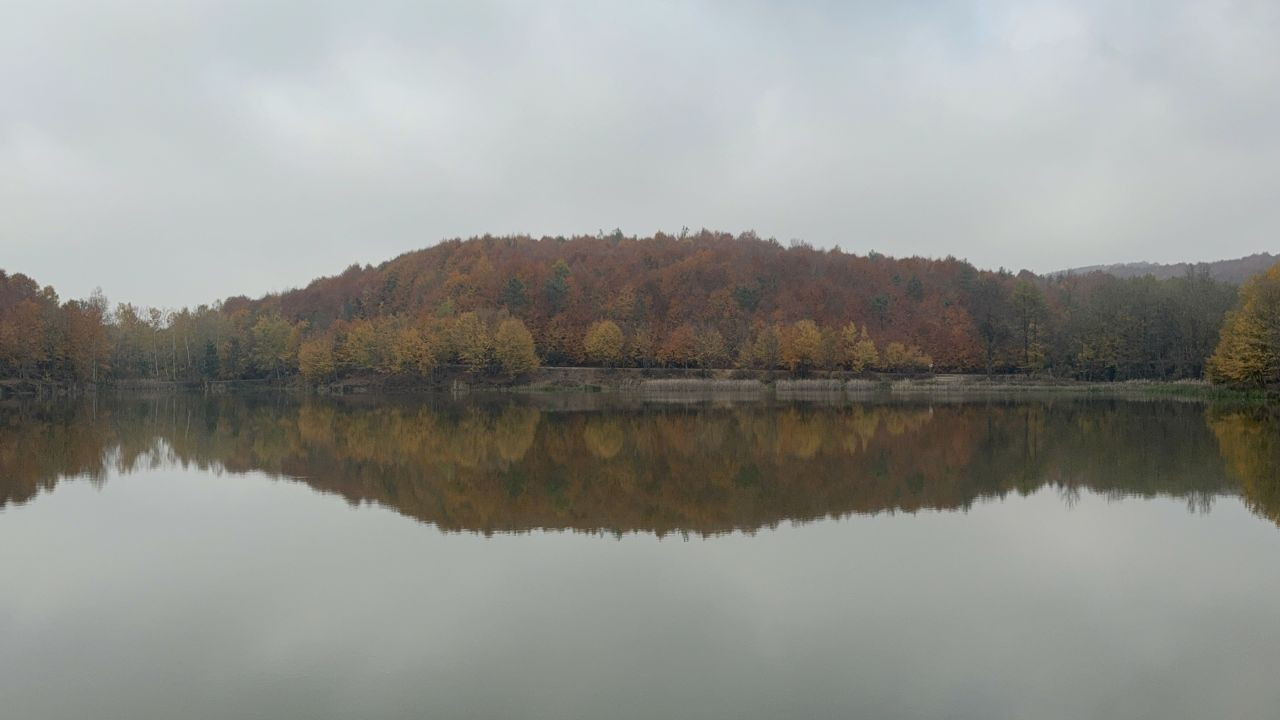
514,297
767,349
1029,309
85,340
829,354
559,342
513,348
22,339
858,350
915,289
315,358
209,363
413,349
1248,352
679,348
472,341
880,308
708,348
748,298
557,286
603,343
865,355
155,317
362,345
901,357
640,349
801,346
271,343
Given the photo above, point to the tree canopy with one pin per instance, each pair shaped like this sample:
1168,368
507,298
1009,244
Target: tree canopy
699,300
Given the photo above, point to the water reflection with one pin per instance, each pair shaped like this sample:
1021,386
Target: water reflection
605,466
1249,439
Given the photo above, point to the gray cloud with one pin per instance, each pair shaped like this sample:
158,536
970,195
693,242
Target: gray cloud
175,152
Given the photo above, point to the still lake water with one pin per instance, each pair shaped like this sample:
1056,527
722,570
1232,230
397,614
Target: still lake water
582,557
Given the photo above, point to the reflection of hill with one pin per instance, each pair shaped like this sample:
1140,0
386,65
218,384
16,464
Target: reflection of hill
515,467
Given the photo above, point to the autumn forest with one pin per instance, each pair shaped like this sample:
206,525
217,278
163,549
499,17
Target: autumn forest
502,306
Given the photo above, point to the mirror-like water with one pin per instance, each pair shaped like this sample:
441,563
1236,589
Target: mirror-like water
594,557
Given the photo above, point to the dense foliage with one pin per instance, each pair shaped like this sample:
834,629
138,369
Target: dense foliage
503,305
1248,352
41,337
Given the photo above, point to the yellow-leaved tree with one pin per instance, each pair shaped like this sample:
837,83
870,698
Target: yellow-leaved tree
315,358
899,357
513,348
865,354
414,349
708,348
858,350
801,346
603,343
471,341
1248,350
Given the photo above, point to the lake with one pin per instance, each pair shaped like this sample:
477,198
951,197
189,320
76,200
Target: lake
583,556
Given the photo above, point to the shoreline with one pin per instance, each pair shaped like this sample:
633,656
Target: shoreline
658,383
674,383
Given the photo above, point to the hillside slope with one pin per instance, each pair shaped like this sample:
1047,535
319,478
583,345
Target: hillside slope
712,298
559,286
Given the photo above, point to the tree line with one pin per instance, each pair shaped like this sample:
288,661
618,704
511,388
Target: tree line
505,305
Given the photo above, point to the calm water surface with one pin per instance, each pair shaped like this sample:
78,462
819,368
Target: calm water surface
581,557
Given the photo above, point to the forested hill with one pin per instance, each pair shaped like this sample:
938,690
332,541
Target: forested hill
1231,271
709,297
709,281
708,300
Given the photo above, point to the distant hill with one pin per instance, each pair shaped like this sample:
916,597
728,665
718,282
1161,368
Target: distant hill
1232,271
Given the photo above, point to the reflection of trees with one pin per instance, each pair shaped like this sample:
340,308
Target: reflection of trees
490,467
604,437
514,432
1250,443
38,446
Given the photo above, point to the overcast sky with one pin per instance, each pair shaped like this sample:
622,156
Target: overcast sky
176,151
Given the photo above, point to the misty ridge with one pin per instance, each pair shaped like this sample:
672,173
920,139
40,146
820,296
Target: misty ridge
1235,271
501,307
